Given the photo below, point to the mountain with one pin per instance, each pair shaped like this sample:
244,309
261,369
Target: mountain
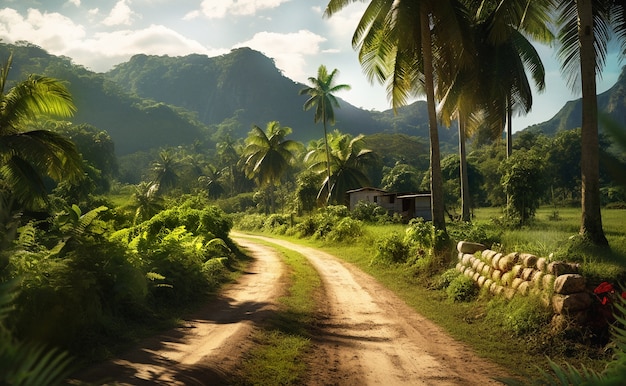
244,84
612,102
134,124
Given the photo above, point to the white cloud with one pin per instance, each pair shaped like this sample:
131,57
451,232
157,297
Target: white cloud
73,2
289,51
58,35
120,14
52,31
219,9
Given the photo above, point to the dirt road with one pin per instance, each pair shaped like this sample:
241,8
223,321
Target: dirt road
365,334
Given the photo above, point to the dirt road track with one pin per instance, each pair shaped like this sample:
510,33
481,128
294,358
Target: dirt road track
365,335
368,336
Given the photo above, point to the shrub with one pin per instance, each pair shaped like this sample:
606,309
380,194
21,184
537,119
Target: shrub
391,249
475,232
443,281
462,289
345,230
369,212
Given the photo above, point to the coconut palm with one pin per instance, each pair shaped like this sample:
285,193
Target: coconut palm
400,44
268,155
26,153
348,159
165,171
487,91
585,27
321,97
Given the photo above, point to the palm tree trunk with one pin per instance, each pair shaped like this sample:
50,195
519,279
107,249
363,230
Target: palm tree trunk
509,127
591,222
465,196
436,180
327,160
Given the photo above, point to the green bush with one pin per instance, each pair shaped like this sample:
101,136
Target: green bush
346,230
474,232
462,289
443,281
369,212
391,249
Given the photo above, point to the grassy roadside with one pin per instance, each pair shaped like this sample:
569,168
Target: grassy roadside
283,340
476,323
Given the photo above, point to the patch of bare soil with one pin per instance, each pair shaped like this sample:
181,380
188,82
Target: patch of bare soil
364,335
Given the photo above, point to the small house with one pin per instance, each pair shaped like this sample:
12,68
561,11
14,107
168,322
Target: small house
407,205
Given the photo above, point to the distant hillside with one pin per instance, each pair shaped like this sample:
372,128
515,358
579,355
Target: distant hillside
134,124
247,84
611,102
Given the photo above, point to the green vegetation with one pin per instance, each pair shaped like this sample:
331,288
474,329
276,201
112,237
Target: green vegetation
279,356
505,332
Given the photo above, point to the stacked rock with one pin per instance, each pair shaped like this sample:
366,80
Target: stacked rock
558,283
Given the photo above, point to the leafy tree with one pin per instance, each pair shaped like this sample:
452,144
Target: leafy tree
584,31
523,182
268,155
401,178
97,150
321,97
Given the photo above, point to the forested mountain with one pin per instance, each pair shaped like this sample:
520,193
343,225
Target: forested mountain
246,85
611,102
133,123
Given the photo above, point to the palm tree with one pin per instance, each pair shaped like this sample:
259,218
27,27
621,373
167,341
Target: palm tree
148,201
268,155
165,171
348,159
27,154
397,41
584,31
487,91
321,96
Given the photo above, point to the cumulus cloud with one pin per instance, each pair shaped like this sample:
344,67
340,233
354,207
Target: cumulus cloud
289,51
50,30
73,2
99,52
219,9
120,14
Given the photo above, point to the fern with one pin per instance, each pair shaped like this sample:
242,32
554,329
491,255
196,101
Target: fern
24,363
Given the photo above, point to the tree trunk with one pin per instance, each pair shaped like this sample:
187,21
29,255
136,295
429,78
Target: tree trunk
465,196
509,127
436,180
327,157
591,222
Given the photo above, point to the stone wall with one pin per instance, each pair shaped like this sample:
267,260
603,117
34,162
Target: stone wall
558,283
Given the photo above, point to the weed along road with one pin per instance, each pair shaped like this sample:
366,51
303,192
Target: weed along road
366,335
363,334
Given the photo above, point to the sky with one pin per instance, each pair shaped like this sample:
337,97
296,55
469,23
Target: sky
99,34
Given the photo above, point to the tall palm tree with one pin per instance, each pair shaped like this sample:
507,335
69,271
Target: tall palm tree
487,91
400,44
584,31
268,155
348,159
321,97
27,154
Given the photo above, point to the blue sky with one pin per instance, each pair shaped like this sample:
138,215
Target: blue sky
99,34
